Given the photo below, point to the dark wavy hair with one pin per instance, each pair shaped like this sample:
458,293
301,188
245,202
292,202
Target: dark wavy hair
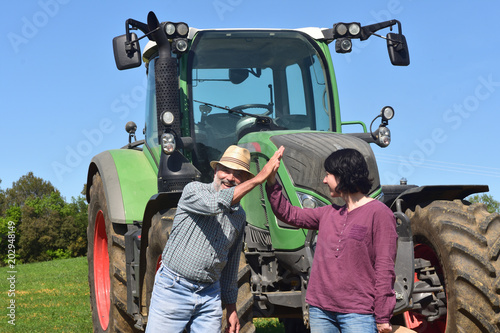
350,170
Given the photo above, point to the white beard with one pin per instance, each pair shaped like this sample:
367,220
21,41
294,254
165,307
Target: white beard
218,182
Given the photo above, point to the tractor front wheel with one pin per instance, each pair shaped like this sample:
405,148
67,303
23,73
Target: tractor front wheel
158,234
462,244
106,259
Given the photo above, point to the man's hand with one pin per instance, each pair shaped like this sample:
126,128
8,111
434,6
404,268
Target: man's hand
274,164
384,328
233,323
269,169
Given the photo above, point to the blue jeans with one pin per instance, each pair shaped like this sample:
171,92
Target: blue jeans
178,303
323,321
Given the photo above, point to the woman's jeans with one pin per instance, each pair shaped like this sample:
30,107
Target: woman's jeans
178,303
323,321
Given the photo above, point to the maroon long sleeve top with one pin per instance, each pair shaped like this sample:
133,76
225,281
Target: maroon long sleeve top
353,266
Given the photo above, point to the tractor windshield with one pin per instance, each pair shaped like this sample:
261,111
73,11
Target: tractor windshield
278,75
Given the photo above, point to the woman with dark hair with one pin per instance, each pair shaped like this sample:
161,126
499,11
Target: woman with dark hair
352,278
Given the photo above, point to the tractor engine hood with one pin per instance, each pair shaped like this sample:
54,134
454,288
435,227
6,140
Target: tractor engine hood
305,154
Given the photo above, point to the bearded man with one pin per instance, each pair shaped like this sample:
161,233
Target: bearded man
199,268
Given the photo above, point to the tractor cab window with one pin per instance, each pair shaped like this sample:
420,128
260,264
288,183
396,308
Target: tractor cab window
274,74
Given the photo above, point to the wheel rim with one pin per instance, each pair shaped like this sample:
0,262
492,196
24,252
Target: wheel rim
101,270
158,264
415,320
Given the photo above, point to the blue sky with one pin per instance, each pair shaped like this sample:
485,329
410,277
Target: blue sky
64,101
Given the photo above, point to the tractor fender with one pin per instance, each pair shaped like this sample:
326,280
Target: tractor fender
415,195
129,182
411,196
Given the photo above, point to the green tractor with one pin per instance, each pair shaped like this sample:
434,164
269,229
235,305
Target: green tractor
262,89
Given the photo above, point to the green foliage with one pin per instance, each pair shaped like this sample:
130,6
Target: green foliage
59,254
27,186
9,233
492,205
2,200
46,226
49,225
268,325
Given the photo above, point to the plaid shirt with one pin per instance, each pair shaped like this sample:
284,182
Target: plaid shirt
206,239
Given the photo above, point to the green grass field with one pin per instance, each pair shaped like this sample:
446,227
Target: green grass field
50,296
53,296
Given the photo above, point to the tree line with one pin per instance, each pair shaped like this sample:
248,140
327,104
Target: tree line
45,225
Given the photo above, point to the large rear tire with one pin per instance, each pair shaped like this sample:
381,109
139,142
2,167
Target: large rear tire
106,259
244,304
462,242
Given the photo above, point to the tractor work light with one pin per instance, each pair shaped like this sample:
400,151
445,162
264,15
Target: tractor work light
343,45
167,118
175,30
168,143
180,45
387,113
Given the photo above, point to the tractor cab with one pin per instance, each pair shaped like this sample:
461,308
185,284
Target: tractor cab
242,81
253,80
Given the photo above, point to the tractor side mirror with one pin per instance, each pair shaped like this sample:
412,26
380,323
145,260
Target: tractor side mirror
398,49
127,52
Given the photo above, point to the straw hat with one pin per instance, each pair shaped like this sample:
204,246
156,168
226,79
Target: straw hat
235,158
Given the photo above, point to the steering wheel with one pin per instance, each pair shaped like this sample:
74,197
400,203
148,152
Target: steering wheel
242,107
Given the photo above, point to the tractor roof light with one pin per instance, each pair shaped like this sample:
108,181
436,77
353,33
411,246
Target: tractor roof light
354,29
170,28
387,113
349,30
175,30
340,29
182,29
168,143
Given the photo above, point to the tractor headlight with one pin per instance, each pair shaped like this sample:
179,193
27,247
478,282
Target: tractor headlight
168,143
384,136
308,201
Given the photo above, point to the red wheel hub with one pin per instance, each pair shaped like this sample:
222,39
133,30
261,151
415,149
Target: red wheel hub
414,320
101,270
